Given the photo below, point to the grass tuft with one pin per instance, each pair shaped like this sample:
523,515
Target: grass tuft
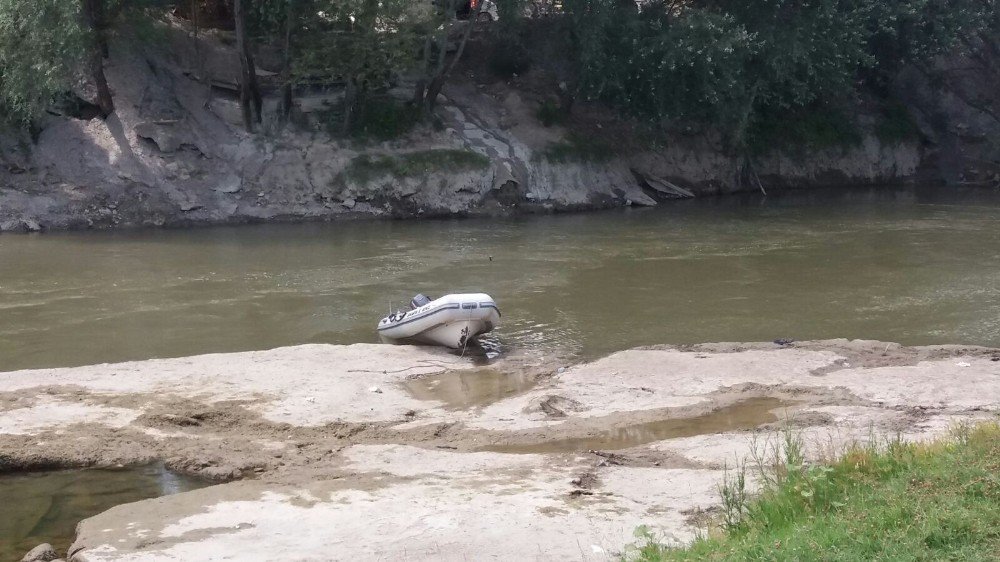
886,500
366,168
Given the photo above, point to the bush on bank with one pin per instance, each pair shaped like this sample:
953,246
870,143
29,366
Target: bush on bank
900,501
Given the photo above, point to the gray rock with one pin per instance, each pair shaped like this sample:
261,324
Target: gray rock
232,184
164,136
31,225
41,553
222,473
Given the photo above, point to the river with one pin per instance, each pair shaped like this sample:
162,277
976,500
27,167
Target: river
905,265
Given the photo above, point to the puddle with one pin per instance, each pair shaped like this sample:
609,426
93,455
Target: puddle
747,414
46,506
459,390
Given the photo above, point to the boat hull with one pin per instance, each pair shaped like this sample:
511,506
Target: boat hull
452,321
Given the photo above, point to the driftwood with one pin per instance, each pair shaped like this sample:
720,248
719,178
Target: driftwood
664,187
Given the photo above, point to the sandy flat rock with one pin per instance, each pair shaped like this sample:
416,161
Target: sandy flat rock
304,385
449,506
650,379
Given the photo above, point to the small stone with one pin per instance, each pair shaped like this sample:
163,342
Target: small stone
349,203
41,553
375,389
964,364
231,184
32,225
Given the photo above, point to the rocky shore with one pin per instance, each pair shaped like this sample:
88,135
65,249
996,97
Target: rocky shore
392,452
174,153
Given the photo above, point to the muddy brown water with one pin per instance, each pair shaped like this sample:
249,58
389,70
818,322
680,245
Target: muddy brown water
46,506
912,266
743,415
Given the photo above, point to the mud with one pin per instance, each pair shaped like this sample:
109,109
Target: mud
740,416
405,453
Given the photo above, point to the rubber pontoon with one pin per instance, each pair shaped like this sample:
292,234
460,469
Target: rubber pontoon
452,320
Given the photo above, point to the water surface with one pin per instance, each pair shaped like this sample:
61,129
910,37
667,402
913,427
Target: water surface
46,506
740,416
917,267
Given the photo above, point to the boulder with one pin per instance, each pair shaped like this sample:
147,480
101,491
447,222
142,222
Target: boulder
41,553
163,135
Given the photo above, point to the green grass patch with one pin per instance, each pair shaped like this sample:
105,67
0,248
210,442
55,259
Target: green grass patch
382,119
896,501
578,148
366,168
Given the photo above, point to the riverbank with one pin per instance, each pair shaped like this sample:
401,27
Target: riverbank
935,500
380,451
174,153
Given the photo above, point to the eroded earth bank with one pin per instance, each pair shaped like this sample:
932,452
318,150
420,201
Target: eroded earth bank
391,453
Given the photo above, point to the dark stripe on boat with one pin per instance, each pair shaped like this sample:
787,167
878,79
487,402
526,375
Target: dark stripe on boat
421,317
490,305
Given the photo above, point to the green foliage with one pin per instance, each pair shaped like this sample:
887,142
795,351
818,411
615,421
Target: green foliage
549,113
936,501
895,124
729,63
812,127
655,65
366,168
356,40
41,44
381,118
509,11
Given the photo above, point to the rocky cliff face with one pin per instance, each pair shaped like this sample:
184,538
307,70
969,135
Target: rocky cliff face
956,105
175,153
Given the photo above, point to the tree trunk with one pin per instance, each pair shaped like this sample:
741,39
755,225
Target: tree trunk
93,14
420,88
350,105
286,91
250,101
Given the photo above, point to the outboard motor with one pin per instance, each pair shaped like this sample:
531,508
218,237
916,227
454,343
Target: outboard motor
418,301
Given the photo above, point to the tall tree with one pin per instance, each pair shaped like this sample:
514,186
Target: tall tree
40,46
250,100
96,16
436,66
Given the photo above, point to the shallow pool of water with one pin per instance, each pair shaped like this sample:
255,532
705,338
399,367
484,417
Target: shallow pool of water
917,267
743,415
46,506
460,390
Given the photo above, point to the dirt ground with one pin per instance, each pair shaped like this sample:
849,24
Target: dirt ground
399,453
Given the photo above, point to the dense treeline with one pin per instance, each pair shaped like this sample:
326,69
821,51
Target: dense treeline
729,64
734,63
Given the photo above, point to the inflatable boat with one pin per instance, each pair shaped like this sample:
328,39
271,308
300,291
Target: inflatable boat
452,320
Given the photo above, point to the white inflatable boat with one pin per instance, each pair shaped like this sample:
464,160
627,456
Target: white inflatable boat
452,320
